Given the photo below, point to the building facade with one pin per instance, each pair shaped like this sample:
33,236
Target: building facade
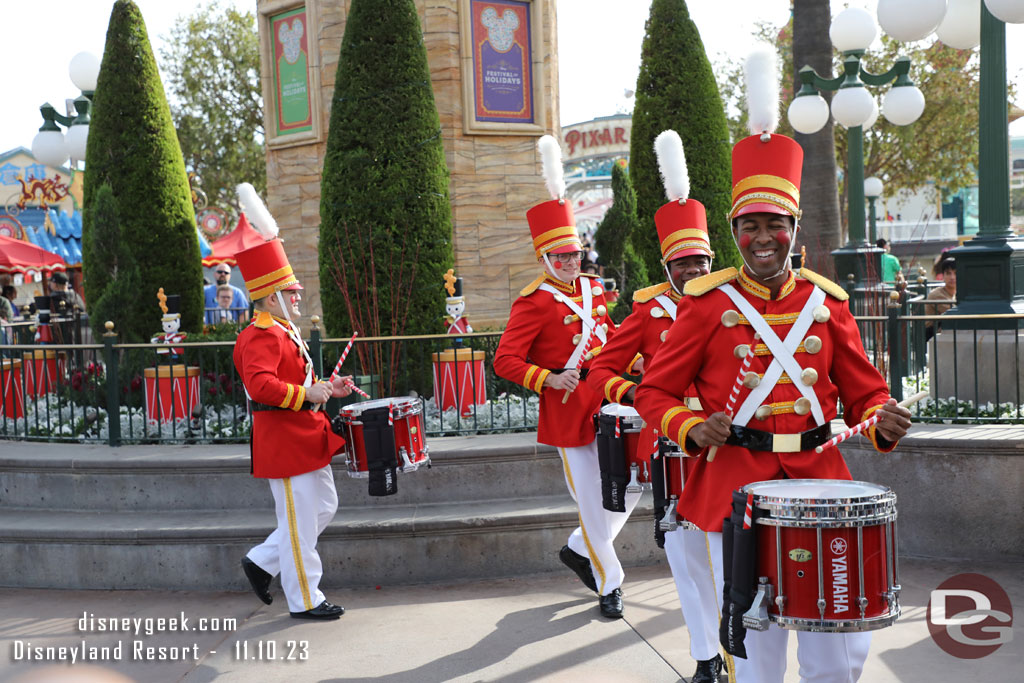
489,133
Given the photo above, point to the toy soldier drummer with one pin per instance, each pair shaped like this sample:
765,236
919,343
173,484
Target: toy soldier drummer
686,254
292,442
558,320
808,358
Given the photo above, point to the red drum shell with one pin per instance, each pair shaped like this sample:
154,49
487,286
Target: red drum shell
408,431
856,522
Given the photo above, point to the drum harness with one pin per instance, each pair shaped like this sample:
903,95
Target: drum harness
783,360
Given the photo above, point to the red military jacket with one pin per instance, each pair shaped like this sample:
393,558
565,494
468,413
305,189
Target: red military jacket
539,339
292,441
701,349
641,333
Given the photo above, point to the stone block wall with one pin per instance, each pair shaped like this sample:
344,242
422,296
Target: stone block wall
494,178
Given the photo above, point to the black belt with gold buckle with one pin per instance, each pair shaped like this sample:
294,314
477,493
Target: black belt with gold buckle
256,407
757,440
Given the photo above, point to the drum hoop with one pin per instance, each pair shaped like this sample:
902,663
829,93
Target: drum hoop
838,625
878,489
821,522
402,407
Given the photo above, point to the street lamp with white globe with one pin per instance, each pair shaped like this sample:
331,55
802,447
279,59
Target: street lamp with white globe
50,145
854,107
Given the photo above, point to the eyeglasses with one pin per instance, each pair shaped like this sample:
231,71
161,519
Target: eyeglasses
570,256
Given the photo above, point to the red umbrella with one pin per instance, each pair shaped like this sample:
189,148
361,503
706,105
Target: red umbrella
242,237
17,256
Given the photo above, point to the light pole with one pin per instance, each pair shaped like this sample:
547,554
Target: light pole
990,267
52,147
852,31
872,190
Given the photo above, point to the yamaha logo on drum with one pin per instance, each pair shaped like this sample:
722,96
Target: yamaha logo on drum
840,576
839,546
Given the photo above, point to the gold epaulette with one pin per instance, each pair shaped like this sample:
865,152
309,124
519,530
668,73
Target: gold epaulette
705,283
827,285
589,275
644,295
263,320
532,287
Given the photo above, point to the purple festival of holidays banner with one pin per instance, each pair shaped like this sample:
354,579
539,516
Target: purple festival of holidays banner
502,61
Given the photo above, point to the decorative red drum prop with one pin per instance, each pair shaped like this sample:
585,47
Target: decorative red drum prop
43,370
172,391
826,555
11,387
410,449
459,379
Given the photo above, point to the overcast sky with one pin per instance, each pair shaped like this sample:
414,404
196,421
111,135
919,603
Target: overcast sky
599,48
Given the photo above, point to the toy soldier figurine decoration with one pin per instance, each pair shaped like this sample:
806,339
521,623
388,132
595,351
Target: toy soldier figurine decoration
455,305
171,322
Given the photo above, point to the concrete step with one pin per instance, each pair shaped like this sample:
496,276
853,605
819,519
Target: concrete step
364,546
211,477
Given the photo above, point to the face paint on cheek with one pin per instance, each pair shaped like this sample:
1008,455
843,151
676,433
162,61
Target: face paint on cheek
744,241
557,265
782,237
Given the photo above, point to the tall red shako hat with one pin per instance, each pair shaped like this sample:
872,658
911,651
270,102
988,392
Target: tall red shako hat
552,224
766,166
682,223
265,267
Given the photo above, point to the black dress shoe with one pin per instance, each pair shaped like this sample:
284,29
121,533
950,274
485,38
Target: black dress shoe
323,612
708,670
579,564
258,579
611,604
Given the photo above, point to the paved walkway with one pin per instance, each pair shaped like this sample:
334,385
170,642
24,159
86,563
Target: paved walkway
542,628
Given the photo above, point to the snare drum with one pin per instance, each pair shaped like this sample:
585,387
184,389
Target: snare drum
624,468
826,555
405,429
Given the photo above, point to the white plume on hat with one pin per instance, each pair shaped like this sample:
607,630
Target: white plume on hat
551,159
672,164
761,76
257,213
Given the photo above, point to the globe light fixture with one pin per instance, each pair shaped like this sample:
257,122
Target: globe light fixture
903,104
852,106
910,20
808,114
961,27
873,187
1009,11
853,30
874,115
52,147
84,69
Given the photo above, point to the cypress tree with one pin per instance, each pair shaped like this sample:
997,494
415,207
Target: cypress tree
133,148
676,89
117,268
613,242
386,230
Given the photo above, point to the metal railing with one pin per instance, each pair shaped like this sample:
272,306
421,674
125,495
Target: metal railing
131,393
191,392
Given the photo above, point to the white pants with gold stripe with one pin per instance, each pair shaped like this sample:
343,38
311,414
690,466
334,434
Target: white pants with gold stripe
595,536
686,551
305,505
823,657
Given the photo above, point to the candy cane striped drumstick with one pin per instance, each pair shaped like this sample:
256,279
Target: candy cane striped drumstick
582,360
344,354
749,511
736,386
858,428
356,389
